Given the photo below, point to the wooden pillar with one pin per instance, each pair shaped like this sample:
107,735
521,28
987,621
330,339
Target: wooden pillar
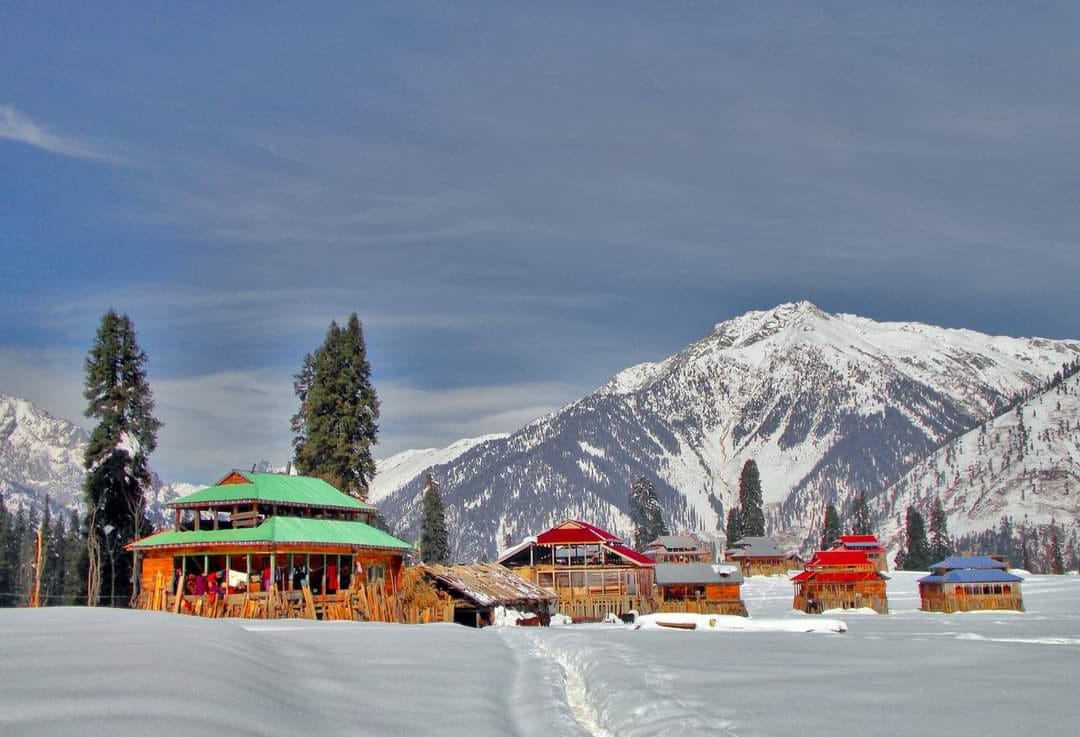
228,571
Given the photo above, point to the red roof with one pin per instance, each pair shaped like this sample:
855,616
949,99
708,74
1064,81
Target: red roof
838,557
835,576
631,555
575,532
858,538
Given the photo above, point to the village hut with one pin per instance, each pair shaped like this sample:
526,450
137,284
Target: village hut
590,570
699,588
479,589
868,544
679,549
840,579
759,556
271,545
970,583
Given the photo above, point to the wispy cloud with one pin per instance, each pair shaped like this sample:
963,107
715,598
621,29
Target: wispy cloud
17,126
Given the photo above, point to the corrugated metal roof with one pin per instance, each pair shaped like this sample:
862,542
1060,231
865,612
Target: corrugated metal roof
972,575
678,542
574,531
280,530
631,555
691,573
488,584
956,562
838,558
836,576
755,547
274,488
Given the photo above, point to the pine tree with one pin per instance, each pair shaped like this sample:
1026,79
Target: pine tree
916,552
1057,557
750,503
76,563
335,428
832,528
860,516
734,526
6,598
116,458
645,513
941,545
434,539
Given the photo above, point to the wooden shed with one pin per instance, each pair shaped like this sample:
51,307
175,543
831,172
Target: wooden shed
679,549
840,579
868,544
759,556
590,570
699,588
970,583
478,589
270,545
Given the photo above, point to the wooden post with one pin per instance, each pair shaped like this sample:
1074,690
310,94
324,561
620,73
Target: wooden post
35,595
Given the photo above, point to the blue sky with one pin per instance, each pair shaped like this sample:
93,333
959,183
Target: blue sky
518,201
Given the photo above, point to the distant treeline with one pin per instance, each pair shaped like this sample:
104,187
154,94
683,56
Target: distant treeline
62,579
1035,548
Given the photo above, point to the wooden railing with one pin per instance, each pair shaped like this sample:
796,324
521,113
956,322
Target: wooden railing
703,606
594,608
371,602
971,602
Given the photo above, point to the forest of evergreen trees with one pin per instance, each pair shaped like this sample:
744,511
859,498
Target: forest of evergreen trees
62,579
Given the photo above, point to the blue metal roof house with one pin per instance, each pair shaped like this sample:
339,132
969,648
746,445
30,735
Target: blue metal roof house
970,583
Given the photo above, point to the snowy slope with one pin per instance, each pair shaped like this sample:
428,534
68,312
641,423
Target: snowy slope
826,404
1024,464
41,455
79,672
400,468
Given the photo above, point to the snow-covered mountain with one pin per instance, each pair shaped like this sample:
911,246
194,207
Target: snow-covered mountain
1024,464
42,455
827,405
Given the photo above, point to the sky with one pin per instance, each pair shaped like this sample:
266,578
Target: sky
518,201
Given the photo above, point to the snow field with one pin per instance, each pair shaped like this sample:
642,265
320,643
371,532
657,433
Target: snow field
109,672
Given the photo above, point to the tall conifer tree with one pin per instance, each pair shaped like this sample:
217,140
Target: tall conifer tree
335,428
832,528
915,555
941,545
750,501
734,529
645,513
860,516
116,458
434,538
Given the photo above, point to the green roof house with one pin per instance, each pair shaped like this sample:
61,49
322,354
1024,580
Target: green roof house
270,545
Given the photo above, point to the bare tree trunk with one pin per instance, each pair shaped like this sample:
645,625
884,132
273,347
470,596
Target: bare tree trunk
93,551
137,507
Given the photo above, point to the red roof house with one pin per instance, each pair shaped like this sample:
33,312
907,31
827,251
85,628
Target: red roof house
840,579
591,571
867,544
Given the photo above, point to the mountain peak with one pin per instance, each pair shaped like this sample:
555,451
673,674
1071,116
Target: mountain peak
757,325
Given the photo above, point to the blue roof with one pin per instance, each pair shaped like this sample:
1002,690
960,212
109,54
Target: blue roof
956,562
983,575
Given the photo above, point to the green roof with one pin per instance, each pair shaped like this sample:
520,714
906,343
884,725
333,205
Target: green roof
274,488
281,530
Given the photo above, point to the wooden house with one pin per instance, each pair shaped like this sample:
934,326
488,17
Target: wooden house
759,556
699,588
840,579
270,545
478,589
868,544
678,549
590,570
970,583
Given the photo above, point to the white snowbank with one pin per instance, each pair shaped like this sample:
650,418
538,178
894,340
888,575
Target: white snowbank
730,623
